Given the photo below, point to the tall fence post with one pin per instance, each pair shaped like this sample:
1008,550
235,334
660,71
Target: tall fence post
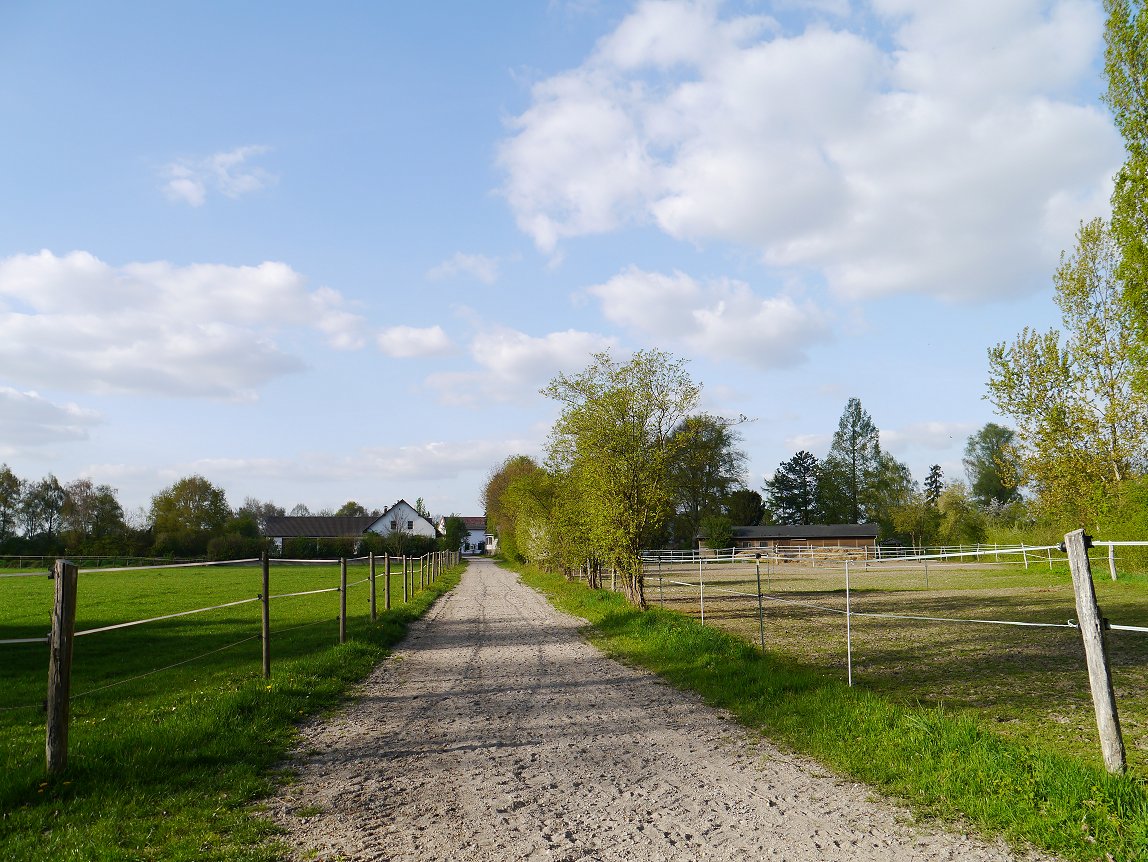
374,606
848,627
342,600
702,590
1112,561
60,665
1092,627
386,581
265,597
760,610
406,592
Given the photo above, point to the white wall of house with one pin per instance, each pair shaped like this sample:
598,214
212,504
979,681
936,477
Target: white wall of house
475,542
402,517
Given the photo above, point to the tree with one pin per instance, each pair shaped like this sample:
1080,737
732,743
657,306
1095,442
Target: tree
91,513
500,514
961,522
793,492
299,510
991,466
351,509
718,531
1126,70
708,467
745,507
10,486
185,515
617,429
888,486
1081,426
261,510
454,533
41,504
853,458
934,485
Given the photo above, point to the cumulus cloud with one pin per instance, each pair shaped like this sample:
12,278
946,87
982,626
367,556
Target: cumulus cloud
514,365
412,341
28,419
477,266
199,330
721,319
941,148
227,173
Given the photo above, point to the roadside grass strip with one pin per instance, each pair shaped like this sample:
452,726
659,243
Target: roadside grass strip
942,765
171,764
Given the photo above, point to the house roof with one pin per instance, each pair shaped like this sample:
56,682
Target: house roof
807,531
317,526
474,522
409,506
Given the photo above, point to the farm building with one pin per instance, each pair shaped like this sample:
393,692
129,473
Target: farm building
475,539
399,518
798,540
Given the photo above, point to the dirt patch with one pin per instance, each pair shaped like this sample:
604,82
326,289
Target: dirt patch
496,733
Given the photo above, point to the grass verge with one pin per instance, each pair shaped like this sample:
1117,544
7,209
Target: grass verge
173,774
941,765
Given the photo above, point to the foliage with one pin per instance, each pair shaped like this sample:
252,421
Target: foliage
620,430
934,484
351,509
1126,70
718,531
500,513
454,533
793,494
745,507
708,467
961,521
851,465
9,501
1081,427
991,466
186,515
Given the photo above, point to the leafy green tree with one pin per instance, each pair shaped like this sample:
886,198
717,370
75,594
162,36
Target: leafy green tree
1126,70
187,514
991,466
261,510
351,509
617,429
934,485
709,466
500,512
718,532
10,487
854,457
41,505
793,494
889,485
1081,425
91,516
961,521
454,533
745,507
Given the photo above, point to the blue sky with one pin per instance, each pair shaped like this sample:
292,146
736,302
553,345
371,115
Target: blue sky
329,253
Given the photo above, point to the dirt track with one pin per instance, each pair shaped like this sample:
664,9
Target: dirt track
495,733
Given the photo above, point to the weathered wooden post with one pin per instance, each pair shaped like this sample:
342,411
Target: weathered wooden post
342,600
60,665
265,601
374,614
1092,627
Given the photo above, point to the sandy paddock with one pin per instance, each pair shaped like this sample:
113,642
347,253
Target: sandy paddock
496,733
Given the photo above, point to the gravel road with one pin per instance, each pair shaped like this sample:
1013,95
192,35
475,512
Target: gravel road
496,733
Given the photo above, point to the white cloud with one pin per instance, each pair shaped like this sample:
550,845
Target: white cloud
411,341
28,419
932,435
513,366
478,266
721,319
228,173
941,148
198,330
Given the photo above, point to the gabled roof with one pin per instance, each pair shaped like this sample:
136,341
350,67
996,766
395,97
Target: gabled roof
317,526
474,522
398,503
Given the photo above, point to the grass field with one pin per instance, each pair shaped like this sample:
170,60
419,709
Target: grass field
174,731
941,762
1029,683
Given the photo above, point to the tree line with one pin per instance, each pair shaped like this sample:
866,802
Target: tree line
191,518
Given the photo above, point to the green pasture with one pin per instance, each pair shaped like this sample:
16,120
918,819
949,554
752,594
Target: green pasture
174,731
1028,683
924,721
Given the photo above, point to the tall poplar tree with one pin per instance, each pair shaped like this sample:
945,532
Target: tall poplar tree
854,459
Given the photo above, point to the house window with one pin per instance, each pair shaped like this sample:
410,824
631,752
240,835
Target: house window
410,525
394,524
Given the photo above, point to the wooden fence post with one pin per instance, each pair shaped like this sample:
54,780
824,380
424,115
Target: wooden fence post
266,614
342,600
60,665
386,581
1092,627
374,606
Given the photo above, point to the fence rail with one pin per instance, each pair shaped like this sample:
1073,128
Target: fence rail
63,632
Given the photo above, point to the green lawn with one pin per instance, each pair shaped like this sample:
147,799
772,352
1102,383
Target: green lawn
174,731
